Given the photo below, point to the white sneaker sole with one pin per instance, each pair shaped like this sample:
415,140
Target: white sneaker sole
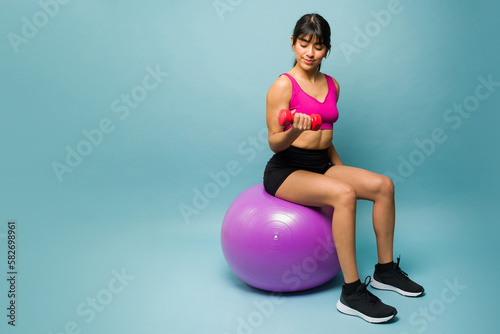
350,311
381,286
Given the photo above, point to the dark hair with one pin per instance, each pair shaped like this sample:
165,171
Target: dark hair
313,25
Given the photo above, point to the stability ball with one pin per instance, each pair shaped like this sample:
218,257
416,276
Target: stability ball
275,245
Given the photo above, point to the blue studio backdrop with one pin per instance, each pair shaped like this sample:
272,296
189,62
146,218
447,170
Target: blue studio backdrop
128,128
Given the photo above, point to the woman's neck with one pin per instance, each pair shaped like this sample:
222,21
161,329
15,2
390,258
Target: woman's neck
311,75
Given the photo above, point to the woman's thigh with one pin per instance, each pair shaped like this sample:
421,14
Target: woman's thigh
367,184
313,189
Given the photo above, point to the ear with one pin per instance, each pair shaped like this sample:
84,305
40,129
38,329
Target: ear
291,42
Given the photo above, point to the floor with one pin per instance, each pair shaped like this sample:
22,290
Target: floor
98,272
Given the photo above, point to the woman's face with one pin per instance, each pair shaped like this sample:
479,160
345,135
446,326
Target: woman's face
309,52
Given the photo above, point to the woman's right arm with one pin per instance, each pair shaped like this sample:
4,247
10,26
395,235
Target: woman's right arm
278,97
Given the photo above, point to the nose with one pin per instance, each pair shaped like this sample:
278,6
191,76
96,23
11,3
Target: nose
309,51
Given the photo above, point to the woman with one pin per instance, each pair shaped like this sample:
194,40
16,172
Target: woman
307,170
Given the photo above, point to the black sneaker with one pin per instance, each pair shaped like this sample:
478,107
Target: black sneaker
397,280
365,305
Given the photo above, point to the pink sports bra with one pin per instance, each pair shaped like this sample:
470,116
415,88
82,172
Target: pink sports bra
306,104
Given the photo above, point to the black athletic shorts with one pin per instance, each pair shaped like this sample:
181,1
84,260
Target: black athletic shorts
284,163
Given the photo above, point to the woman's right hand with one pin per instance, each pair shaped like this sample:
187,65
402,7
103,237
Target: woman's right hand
301,122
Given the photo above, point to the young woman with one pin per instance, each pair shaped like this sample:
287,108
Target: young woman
307,170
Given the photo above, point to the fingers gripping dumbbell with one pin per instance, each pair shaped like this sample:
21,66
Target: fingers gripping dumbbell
285,118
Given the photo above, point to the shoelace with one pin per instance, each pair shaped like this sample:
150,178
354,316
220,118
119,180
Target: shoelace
362,291
397,269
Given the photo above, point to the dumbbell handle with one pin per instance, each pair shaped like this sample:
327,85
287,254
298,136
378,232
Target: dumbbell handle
285,118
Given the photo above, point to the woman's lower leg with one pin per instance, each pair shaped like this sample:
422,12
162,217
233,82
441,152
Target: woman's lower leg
344,237
383,225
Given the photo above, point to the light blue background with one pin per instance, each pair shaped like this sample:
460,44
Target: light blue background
120,209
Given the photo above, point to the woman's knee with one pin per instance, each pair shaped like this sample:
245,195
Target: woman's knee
385,186
344,195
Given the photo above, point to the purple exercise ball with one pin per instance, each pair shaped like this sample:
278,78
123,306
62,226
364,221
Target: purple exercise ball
275,245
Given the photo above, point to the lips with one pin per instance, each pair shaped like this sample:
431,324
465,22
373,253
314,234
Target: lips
308,61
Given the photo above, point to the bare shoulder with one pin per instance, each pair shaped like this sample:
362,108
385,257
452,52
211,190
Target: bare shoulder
278,97
281,87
